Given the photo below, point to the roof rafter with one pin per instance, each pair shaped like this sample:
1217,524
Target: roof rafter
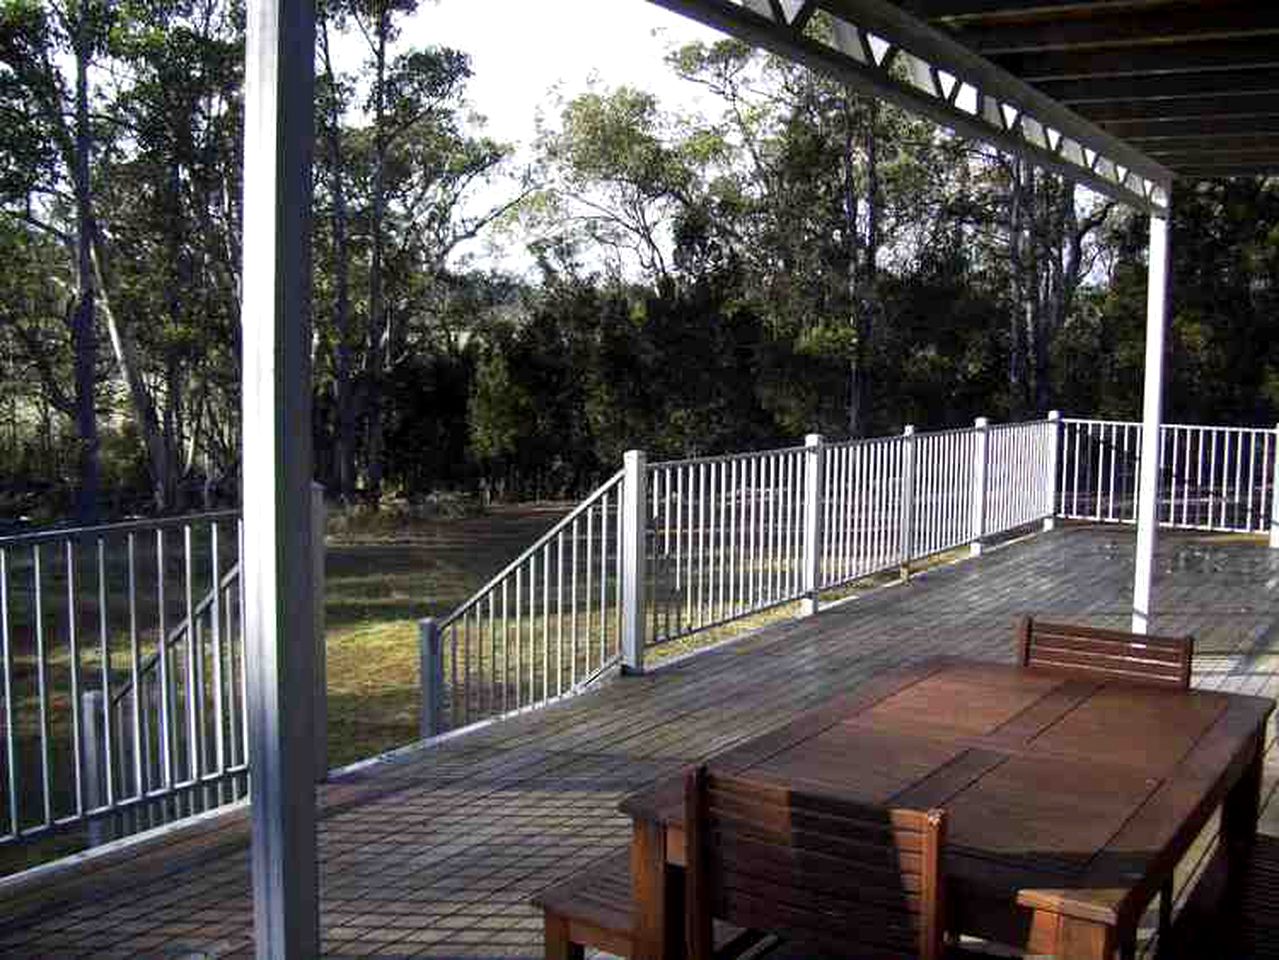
877,48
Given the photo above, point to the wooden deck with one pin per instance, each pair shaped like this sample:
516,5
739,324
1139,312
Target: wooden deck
434,853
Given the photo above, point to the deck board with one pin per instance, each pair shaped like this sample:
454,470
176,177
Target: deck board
435,853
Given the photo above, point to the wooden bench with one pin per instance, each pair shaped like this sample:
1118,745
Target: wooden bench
1105,654
596,908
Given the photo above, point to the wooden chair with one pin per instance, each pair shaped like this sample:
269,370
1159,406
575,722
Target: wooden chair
847,879
1105,654
1101,654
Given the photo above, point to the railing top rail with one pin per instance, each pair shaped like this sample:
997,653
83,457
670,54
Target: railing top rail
864,441
948,432
1018,425
114,529
1087,421
725,457
537,545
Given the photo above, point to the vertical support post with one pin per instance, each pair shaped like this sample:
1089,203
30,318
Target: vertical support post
279,631
431,658
814,484
906,531
1151,424
1054,467
634,555
93,750
1274,491
319,525
981,464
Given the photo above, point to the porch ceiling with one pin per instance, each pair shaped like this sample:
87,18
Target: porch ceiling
1121,95
1193,84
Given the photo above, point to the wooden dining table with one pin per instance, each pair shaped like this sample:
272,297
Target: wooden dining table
1070,801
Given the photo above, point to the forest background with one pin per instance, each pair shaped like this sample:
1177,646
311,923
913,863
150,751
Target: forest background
793,258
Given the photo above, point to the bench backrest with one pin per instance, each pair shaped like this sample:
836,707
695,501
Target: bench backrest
1105,654
856,880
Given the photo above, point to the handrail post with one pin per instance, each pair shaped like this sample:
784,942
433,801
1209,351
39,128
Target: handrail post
93,751
981,462
906,531
634,555
319,527
1054,467
431,653
1274,492
814,484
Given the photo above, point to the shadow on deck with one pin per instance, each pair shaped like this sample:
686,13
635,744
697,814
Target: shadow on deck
434,853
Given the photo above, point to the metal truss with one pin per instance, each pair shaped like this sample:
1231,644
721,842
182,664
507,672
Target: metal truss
875,47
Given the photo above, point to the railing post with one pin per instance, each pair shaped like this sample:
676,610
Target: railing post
319,527
1274,493
634,554
431,652
814,484
1054,467
906,532
93,750
981,462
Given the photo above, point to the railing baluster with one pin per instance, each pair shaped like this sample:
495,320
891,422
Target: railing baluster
42,687
73,649
108,753
12,772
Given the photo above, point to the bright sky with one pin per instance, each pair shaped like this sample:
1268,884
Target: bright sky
524,52
520,50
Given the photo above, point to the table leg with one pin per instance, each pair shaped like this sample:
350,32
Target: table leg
659,895
1239,816
1084,940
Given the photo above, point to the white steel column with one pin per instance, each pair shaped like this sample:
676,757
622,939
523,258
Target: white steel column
1152,413
634,547
814,486
276,406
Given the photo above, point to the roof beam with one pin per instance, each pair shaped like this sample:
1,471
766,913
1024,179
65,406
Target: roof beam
1215,145
1118,29
878,49
1079,91
1144,131
936,9
1185,108
1159,59
1212,172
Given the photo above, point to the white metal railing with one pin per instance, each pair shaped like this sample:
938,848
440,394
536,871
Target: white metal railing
1019,475
545,625
862,507
725,538
121,654
715,539
1210,478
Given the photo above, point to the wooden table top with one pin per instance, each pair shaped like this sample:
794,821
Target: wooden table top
1070,795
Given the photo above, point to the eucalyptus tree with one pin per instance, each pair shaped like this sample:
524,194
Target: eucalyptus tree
172,193
827,188
403,169
47,141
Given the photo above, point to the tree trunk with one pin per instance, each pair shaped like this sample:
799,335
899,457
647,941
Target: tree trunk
344,460
84,338
377,309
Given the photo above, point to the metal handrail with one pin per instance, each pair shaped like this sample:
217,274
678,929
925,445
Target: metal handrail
176,633
538,544
110,529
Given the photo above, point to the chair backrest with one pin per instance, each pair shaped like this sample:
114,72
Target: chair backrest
1105,654
855,880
